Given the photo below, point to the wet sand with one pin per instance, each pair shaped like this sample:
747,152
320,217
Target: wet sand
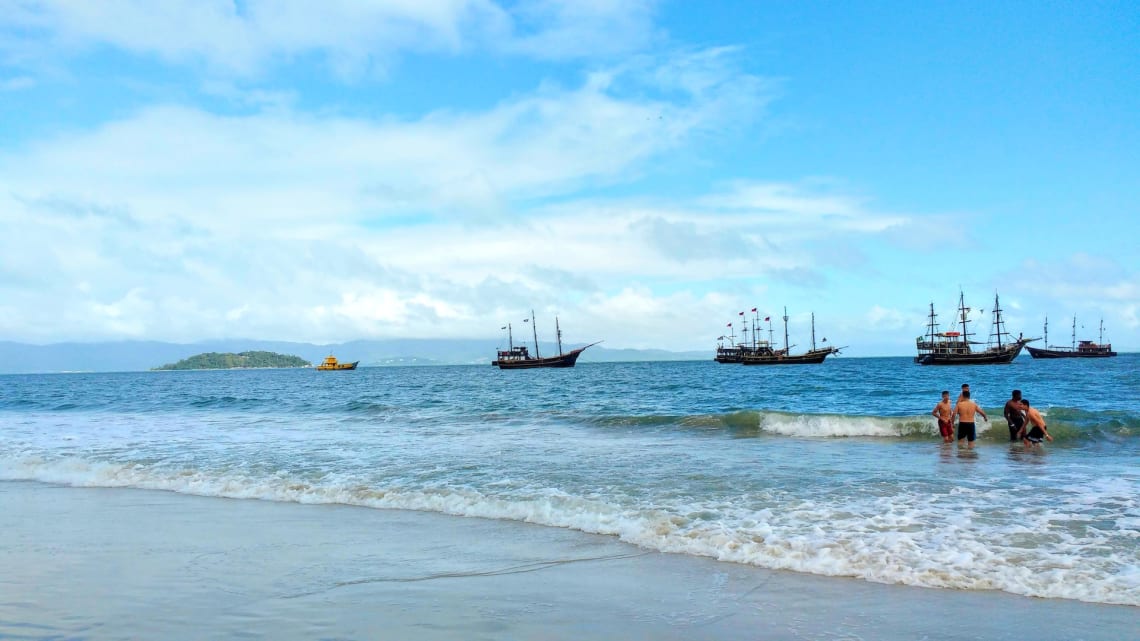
88,563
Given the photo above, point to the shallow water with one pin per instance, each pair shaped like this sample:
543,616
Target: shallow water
832,469
100,564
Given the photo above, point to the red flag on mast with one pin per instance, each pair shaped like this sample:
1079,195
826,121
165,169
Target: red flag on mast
767,317
753,309
728,325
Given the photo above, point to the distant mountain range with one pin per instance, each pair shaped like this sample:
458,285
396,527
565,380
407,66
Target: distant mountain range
130,356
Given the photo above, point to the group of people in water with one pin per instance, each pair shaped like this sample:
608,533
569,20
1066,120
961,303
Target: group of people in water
1025,422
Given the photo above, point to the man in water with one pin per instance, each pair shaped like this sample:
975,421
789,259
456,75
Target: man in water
965,411
943,411
964,394
1035,425
1014,417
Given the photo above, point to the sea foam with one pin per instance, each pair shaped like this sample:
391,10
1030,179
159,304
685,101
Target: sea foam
911,538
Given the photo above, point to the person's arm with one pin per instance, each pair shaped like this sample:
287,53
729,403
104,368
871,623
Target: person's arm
982,412
954,414
1007,412
934,412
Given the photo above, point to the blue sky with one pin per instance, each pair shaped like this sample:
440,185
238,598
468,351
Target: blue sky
184,170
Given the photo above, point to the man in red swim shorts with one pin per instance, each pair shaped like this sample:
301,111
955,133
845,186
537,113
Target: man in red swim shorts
942,412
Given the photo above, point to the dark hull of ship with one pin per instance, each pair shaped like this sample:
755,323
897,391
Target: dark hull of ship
1037,352
809,358
563,360
989,357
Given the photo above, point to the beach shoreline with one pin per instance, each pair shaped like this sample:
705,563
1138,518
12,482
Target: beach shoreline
100,563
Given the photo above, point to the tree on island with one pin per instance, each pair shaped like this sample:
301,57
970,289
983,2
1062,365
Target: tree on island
243,360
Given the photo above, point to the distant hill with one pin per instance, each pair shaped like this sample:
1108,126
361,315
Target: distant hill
137,356
244,360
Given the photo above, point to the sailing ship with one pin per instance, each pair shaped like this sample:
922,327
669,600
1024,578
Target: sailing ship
1084,349
956,348
330,364
766,354
732,351
519,356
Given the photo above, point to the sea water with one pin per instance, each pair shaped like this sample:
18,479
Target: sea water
832,469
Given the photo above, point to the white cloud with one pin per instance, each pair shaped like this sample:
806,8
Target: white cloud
179,224
354,36
1086,285
576,28
879,317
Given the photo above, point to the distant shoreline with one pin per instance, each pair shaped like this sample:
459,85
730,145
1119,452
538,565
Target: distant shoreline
199,369
480,364
251,359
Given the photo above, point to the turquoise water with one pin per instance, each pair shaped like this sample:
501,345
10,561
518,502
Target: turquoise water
832,469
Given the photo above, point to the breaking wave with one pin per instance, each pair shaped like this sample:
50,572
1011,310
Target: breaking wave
910,538
1065,424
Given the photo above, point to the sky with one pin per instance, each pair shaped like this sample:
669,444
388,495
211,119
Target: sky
185,170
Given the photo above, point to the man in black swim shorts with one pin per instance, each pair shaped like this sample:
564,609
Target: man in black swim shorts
965,411
1014,417
1036,431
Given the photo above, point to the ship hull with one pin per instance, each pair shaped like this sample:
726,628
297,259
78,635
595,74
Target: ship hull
564,360
339,367
1037,352
988,357
808,358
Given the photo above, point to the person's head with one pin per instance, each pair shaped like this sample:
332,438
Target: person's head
966,394
945,394
965,387
1025,403
1017,395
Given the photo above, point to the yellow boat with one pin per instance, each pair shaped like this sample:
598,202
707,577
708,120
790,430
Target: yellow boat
331,364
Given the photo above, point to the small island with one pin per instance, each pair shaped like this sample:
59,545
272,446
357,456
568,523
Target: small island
243,360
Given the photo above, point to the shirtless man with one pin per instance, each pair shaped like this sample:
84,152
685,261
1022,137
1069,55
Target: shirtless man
943,411
965,391
1035,426
1014,417
965,411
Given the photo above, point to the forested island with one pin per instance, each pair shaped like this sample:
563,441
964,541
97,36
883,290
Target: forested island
243,360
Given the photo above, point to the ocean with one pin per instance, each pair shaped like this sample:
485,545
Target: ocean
832,470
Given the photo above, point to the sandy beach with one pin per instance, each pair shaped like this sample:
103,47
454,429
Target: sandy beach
87,563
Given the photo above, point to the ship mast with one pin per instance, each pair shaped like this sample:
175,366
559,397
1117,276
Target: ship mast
1046,332
755,331
931,325
787,348
962,314
558,332
1074,332
813,331
510,338
535,329
997,320
1100,341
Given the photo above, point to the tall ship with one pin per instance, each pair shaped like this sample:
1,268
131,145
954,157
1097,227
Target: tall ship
728,350
519,356
766,354
954,347
1083,349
